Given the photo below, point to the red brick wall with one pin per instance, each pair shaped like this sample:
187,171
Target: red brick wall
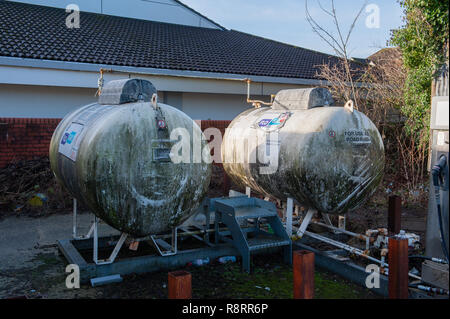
26,138
221,125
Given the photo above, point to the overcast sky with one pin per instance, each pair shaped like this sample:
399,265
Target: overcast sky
285,21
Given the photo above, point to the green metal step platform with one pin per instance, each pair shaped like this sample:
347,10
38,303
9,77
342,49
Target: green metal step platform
244,217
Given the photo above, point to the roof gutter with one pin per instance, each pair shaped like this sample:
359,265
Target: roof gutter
90,67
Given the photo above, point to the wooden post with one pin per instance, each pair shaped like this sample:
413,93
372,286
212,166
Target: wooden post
303,266
398,268
394,215
180,285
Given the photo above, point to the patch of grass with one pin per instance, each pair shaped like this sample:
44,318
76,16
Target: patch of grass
49,271
269,279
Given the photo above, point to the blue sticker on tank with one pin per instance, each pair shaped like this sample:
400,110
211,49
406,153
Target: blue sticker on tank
64,139
275,123
264,123
71,137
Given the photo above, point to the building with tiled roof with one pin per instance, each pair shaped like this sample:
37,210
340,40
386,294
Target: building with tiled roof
48,69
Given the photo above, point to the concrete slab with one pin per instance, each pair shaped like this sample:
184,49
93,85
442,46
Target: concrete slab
22,238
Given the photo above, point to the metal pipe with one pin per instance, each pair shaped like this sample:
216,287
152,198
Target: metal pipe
353,250
346,247
343,231
256,103
190,233
438,291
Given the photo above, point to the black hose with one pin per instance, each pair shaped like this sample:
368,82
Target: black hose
441,227
436,173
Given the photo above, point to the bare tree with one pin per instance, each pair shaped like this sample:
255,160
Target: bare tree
338,43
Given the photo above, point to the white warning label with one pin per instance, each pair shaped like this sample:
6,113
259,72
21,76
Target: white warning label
357,137
73,135
68,145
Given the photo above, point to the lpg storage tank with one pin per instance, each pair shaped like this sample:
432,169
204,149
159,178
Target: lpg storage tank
115,156
329,158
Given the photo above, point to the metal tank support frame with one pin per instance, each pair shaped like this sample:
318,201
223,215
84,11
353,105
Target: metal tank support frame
163,247
115,251
165,256
167,250
93,233
297,231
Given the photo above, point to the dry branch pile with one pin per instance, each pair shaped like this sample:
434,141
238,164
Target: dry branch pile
21,181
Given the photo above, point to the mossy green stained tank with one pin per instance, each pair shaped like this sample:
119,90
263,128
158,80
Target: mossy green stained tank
115,158
328,158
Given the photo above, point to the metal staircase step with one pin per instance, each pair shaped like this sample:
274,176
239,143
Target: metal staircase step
235,211
253,212
265,241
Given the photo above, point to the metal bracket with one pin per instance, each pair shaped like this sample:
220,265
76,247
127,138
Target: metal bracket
327,220
168,250
75,227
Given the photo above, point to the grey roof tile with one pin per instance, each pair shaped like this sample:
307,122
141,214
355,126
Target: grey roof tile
38,32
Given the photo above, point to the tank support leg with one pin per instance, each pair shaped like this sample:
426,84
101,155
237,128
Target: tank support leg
289,213
248,192
75,224
305,222
74,230
341,223
115,252
207,224
168,250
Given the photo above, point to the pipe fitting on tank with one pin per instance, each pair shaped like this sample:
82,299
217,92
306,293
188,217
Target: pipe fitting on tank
155,101
256,103
349,106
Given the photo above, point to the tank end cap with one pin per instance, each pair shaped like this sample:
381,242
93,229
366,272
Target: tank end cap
127,91
302,99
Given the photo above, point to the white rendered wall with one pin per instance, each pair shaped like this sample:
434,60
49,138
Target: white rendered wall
89,79
214,106
161,10
30,101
